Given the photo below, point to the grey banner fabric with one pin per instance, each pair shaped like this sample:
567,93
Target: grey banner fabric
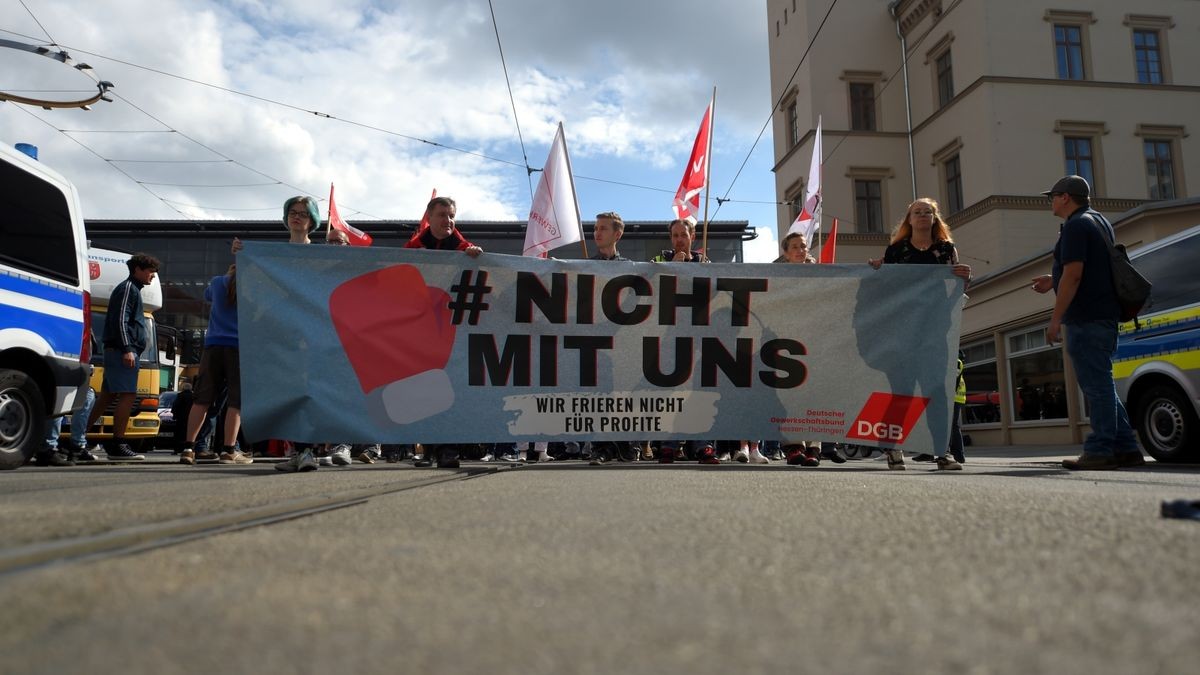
393,345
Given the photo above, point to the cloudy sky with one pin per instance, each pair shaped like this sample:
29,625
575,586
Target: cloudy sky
629,79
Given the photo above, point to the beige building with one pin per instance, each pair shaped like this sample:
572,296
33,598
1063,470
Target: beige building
983,104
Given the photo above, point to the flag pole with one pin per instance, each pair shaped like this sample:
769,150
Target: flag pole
574,195
328,219
821,178
712,114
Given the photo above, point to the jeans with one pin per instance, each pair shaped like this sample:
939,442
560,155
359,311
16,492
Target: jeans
956,439
78,424
1091,345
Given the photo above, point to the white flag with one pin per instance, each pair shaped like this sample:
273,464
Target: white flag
809,220
554,218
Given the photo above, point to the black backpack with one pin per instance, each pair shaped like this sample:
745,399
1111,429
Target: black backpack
1132,289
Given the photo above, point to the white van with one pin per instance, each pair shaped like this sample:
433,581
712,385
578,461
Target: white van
44,304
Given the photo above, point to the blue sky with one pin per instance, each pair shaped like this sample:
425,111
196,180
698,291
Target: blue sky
630,81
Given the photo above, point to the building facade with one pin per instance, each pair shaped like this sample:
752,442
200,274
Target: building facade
982,105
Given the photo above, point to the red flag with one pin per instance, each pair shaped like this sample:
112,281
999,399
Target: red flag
687,197
355,236
425,217
829,248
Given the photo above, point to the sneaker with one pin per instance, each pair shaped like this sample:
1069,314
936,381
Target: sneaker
301,461
1086,462
742,455
724,457
947,464
795,456
647,452
895,459
448,459
488,458
205,455
599,457
236,457
1128,459
923,457
324,461
123,453
812,457
88,454
757,457
831,453
366,456
52,457
708,456
666,455
341,455
188,457
510,457
422,462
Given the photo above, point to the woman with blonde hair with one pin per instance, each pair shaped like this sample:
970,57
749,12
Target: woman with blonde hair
922,237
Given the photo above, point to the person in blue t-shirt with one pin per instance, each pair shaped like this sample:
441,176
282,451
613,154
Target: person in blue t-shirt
219,369
1086,303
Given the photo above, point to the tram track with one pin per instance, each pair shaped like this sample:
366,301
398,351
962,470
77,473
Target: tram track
134,539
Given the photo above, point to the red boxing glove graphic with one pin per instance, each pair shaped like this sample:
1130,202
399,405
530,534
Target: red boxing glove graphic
397,334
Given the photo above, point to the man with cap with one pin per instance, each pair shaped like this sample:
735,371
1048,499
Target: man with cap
1087,304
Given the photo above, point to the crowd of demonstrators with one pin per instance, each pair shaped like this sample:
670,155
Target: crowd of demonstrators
1086,303
923,238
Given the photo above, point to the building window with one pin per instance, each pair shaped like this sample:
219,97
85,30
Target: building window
983,383
952,170
1160,169
1164,167
868,205
938,58
1078,152
1147,57
945,79
794,196
1068,51
793,125
862,106
1035,369
1082,150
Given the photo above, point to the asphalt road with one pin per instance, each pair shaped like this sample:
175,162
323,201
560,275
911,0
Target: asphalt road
1012,565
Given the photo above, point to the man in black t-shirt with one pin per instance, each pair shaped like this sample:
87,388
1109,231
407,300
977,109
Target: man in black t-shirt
1087,303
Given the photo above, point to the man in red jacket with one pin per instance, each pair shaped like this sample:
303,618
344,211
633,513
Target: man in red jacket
441,235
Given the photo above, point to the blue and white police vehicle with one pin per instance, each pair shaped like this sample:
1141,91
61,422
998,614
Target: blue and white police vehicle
44,304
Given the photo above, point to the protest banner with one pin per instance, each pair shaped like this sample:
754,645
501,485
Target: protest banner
400,345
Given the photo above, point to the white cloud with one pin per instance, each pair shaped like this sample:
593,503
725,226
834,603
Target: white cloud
626,78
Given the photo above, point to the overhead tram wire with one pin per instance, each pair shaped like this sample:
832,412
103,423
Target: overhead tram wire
39,23
283,104
775,107
224,156
290,106
903,63
103,159
528,170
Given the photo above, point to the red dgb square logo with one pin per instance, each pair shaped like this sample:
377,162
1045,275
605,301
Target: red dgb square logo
888,417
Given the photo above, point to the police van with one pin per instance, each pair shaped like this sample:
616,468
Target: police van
45,300
1157,364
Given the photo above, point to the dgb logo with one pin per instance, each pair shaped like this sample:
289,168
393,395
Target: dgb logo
888,418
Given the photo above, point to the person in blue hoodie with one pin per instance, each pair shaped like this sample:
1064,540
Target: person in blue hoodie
219,369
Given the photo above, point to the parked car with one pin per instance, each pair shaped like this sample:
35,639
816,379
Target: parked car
1157,364
166,420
